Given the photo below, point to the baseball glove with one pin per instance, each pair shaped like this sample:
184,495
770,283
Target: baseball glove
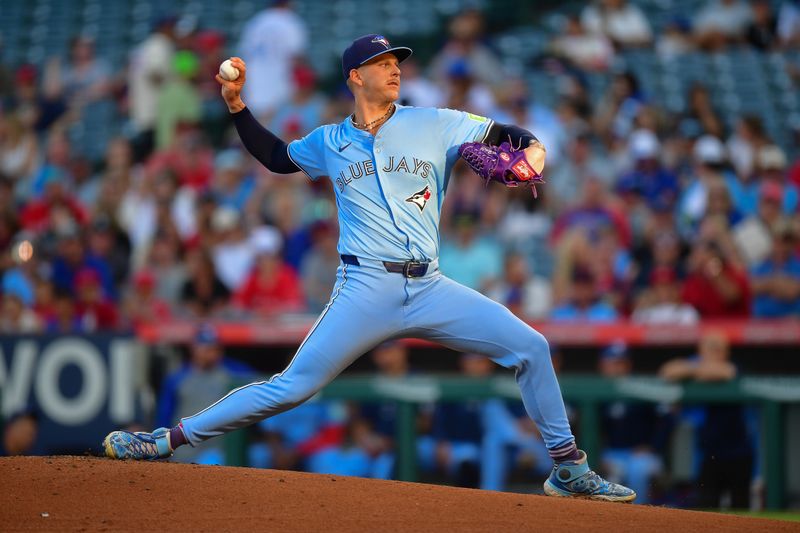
500,163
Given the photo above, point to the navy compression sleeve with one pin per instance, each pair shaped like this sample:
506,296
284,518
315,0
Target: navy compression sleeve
500,133
262,144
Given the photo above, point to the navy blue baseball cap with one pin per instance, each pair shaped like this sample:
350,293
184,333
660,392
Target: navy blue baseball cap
367,47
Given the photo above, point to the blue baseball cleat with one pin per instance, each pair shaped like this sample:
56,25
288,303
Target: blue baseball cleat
139,445
573,479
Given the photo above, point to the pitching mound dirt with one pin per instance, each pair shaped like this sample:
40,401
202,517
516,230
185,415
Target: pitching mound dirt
90,494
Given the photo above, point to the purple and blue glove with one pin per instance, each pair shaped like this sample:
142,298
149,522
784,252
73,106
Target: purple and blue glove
500,163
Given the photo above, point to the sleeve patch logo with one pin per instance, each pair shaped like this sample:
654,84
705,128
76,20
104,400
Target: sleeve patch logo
420,199
477,118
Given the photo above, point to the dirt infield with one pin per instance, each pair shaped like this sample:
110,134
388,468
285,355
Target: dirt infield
90,494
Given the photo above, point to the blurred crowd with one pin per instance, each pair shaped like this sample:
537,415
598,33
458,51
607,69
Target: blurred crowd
646,214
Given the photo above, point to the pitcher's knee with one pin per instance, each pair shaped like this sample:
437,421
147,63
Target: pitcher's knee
282,394
537,349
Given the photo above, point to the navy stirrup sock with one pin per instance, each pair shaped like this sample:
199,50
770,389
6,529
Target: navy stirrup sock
176,437
568,452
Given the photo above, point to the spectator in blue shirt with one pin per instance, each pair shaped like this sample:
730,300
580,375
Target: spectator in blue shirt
468,258
202,380
72,257
725,442
510,439
712,188
305,111
776,281
232,187
351,457
391,361
368,448
292,439
771,175
584,304
648,179
454,445
632,457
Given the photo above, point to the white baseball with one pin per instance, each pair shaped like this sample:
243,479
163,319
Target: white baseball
227,71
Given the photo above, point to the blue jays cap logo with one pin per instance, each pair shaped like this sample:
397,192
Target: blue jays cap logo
420,199
381,39
365,48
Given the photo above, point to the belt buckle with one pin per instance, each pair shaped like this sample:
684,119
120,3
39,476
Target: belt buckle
407,268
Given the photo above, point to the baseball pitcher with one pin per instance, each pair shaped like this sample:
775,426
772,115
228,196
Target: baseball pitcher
390,166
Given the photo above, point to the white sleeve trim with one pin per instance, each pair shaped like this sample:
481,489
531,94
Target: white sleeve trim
486,134
289,153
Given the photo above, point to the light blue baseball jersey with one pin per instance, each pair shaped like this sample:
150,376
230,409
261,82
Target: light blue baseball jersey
389,191
390,187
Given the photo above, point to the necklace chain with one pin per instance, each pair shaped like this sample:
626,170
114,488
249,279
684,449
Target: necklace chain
368,125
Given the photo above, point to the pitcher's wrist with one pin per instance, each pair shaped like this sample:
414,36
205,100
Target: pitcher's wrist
235,107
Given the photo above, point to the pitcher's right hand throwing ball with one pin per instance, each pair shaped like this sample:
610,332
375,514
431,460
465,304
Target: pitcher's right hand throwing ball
227,71
232,89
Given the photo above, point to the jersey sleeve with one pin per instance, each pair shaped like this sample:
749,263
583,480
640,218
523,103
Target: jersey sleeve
458,127
308,153
455,129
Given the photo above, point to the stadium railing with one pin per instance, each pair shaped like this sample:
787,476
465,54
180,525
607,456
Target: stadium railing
288,330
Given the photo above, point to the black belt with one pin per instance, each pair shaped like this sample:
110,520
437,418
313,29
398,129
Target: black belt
409,269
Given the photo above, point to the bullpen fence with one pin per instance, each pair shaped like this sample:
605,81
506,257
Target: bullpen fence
587,393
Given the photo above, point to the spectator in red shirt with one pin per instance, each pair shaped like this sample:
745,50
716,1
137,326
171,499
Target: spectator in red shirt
55,207
209,45
142,304
45,301
715,287
272,286
189,157
94,309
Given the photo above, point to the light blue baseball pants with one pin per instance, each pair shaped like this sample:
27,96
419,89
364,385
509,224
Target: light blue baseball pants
370,305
